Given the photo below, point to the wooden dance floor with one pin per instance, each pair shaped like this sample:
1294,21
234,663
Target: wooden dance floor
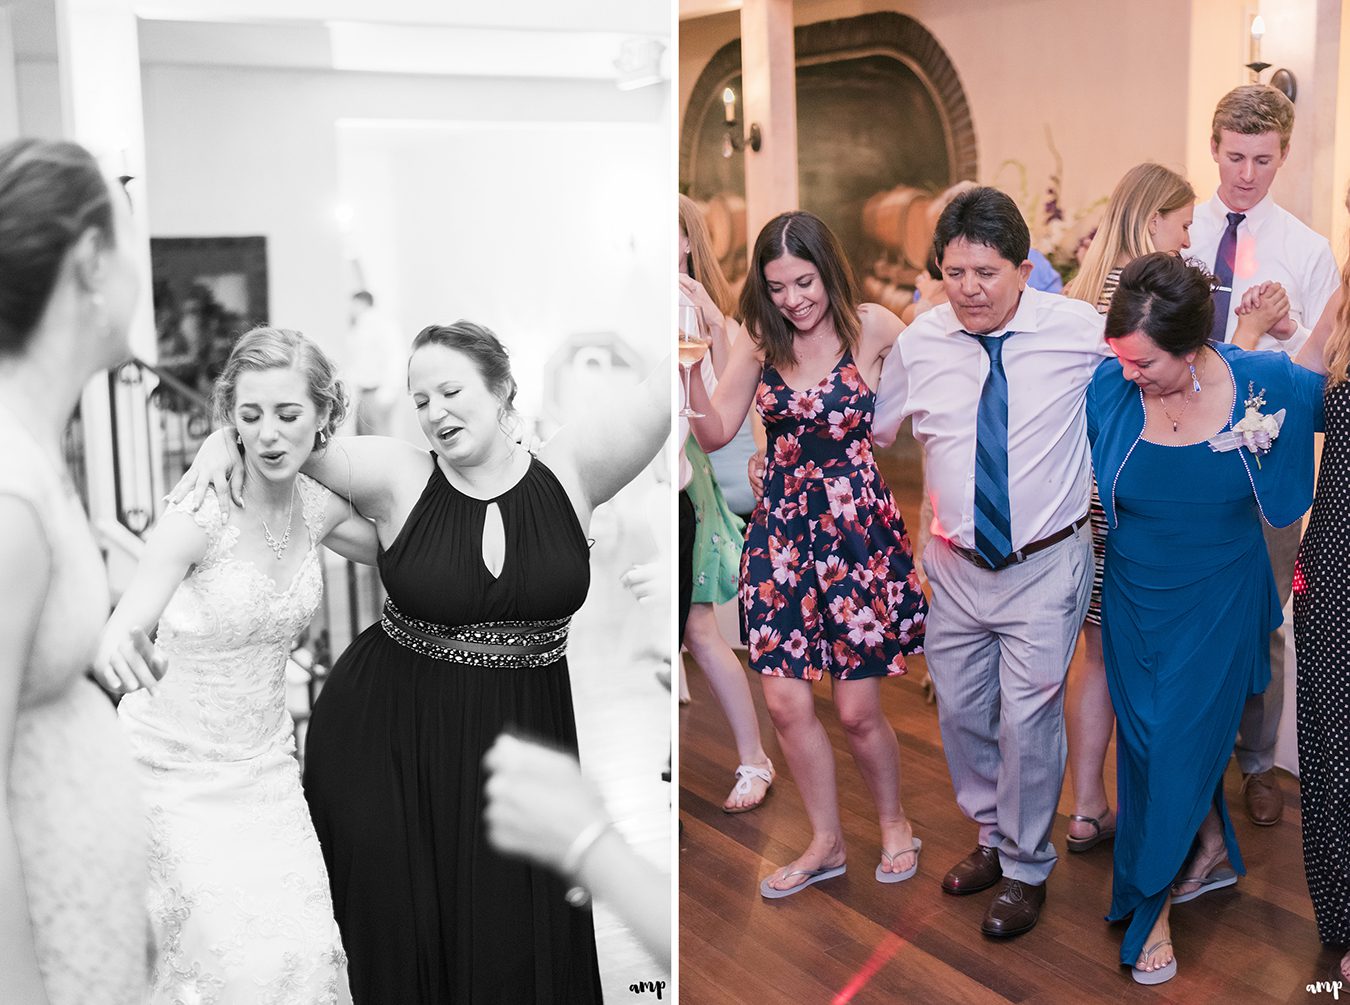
855,940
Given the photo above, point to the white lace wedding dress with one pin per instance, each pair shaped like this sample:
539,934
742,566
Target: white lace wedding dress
239,896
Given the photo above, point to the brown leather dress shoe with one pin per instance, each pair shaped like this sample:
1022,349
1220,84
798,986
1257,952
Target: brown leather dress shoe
977,871
1015,909
1265,801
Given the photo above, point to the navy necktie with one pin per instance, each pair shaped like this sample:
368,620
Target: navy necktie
993,509
1223,276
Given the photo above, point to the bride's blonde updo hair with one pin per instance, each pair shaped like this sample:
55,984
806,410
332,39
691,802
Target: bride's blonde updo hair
267,348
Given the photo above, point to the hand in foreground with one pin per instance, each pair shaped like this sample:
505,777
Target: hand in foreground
217,467
649,582
537,801
693,289
754,470
129,664
1266,308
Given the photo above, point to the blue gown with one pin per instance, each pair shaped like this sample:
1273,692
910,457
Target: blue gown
1188,604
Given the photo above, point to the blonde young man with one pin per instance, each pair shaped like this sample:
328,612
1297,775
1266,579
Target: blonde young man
1245,239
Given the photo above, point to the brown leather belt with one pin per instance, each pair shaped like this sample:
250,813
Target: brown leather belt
1021,555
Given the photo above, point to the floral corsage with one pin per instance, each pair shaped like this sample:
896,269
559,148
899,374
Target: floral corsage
1256,430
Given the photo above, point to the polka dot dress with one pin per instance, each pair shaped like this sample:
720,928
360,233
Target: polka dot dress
1322,635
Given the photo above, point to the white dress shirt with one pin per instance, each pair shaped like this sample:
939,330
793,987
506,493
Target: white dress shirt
1272,243
935,374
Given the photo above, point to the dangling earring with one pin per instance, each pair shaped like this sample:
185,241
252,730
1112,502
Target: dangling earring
102,325
1195,381
238,441
320,440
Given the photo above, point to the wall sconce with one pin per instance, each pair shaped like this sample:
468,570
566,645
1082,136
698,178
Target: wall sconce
732,139
1281,80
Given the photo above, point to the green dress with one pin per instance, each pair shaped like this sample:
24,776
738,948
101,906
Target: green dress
720,535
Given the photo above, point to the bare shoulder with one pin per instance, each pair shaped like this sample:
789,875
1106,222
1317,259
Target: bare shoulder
880,328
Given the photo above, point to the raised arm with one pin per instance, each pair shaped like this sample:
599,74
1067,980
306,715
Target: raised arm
348,533
600,453
880,329
1314,352
725,410
125,658
722,330
362,469
25,574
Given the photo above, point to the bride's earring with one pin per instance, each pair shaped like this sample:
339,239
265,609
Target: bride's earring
102,324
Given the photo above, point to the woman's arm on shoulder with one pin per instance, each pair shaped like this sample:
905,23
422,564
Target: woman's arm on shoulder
369,470
25,574
363,469
348,533
880,329
173,547
1312,355
601,452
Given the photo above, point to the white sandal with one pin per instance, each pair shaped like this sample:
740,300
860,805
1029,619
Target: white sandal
745,776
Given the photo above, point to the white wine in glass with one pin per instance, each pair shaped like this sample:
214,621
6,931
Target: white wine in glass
693,346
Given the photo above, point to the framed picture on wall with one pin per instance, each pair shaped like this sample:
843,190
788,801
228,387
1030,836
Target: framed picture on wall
207,292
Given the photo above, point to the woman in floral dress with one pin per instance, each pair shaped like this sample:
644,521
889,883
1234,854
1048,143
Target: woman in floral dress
827,576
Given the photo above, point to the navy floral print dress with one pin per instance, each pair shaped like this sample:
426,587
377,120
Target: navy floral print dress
827,575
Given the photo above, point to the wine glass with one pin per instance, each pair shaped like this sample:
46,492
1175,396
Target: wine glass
693,346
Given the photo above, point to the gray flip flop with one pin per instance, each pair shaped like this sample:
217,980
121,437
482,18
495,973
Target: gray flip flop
1218,878
1160,976
899,877
812,876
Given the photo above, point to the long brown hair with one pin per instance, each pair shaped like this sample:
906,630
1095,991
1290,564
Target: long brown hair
701,262
805,236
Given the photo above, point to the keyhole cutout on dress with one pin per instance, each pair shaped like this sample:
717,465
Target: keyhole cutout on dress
494,540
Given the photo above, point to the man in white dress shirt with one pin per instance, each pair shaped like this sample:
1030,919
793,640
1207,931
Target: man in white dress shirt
995,382
1245,239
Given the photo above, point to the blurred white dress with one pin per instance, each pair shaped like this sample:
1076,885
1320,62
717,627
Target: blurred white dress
73,799
238,891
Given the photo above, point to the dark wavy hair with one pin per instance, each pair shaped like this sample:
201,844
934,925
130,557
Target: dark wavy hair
1167,299
483,347
984,215
51,192
805,236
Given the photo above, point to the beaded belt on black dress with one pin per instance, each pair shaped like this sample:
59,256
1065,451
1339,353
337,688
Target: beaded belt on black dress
497,644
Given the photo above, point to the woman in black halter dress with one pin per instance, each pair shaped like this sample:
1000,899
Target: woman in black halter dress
484,557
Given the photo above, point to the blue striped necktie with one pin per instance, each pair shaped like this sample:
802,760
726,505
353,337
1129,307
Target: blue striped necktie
993,510
1223,276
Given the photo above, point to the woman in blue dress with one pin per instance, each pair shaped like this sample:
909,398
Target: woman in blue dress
1188,451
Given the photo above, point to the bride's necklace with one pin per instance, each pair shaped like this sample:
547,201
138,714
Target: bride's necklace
278,545
1176,419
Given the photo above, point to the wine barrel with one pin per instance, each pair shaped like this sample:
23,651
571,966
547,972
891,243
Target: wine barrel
725,215
896,219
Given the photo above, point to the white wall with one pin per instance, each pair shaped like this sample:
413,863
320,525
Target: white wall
1117,84
538,231
236,151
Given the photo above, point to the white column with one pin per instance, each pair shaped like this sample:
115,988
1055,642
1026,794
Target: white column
9,82
98,56
769,79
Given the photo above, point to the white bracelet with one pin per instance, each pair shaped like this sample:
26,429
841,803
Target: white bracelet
577,895
581,844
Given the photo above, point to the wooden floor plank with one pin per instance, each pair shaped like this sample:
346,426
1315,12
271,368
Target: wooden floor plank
855,940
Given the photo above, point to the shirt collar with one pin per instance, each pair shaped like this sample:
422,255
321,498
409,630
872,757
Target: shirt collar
1027,317
1255,217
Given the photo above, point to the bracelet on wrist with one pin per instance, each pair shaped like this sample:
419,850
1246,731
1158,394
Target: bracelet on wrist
578,895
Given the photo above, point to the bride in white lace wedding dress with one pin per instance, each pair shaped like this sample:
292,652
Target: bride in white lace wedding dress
239,895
